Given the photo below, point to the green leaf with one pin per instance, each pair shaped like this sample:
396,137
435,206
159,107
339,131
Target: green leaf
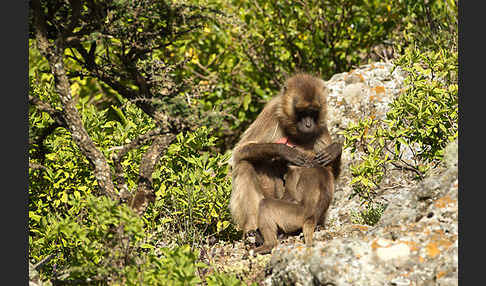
35,217
246,101
402,141
51,156
64,197
147,246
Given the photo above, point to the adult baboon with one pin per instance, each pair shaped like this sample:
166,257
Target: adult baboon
298,115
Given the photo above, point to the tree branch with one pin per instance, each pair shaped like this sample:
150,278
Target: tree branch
45,107
145,192
35,166
54,55
140,140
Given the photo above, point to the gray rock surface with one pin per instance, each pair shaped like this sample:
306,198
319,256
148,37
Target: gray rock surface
34,278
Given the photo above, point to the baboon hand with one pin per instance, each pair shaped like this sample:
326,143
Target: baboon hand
296,157
328,155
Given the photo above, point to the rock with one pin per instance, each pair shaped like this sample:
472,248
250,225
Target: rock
451,154
353,78
34,278
354,93
362,92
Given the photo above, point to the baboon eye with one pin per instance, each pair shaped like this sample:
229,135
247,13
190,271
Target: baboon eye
307,113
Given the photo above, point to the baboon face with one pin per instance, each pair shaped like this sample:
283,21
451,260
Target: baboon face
307,110
306,121
303,107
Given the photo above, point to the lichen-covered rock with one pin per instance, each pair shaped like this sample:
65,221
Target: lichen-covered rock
362,92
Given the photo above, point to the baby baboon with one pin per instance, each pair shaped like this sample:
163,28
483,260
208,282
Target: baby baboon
258,163
304,205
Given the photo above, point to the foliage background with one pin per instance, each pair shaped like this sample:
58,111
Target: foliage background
193,75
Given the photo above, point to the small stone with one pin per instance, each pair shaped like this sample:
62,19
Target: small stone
398,251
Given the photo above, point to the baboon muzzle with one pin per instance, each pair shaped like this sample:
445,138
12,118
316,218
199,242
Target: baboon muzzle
308,122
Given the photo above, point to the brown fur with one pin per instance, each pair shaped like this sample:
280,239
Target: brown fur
257,173
308,194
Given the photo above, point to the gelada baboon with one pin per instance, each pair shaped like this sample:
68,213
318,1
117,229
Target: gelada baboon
259,160
308,194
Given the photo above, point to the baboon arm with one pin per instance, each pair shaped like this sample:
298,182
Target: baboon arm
266,151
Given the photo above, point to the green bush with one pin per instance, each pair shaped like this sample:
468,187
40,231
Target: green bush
370,215
86,242
193,189
66,174
431,24
245,54
79,230
103,242
423,118
426,113
418,126
192,186
320,36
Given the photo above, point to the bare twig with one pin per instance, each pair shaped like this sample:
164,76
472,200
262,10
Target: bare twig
36,166
407,166
44,261
393,187
402,167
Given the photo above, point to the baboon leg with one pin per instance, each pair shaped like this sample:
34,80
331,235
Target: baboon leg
322,220
277,214
317,185
267,225
246,197
308,230
264,249
326,197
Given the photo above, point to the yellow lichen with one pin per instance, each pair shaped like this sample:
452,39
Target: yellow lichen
411,244
432,249
440,274
361,227
374,245
443,202
379,89
361,77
